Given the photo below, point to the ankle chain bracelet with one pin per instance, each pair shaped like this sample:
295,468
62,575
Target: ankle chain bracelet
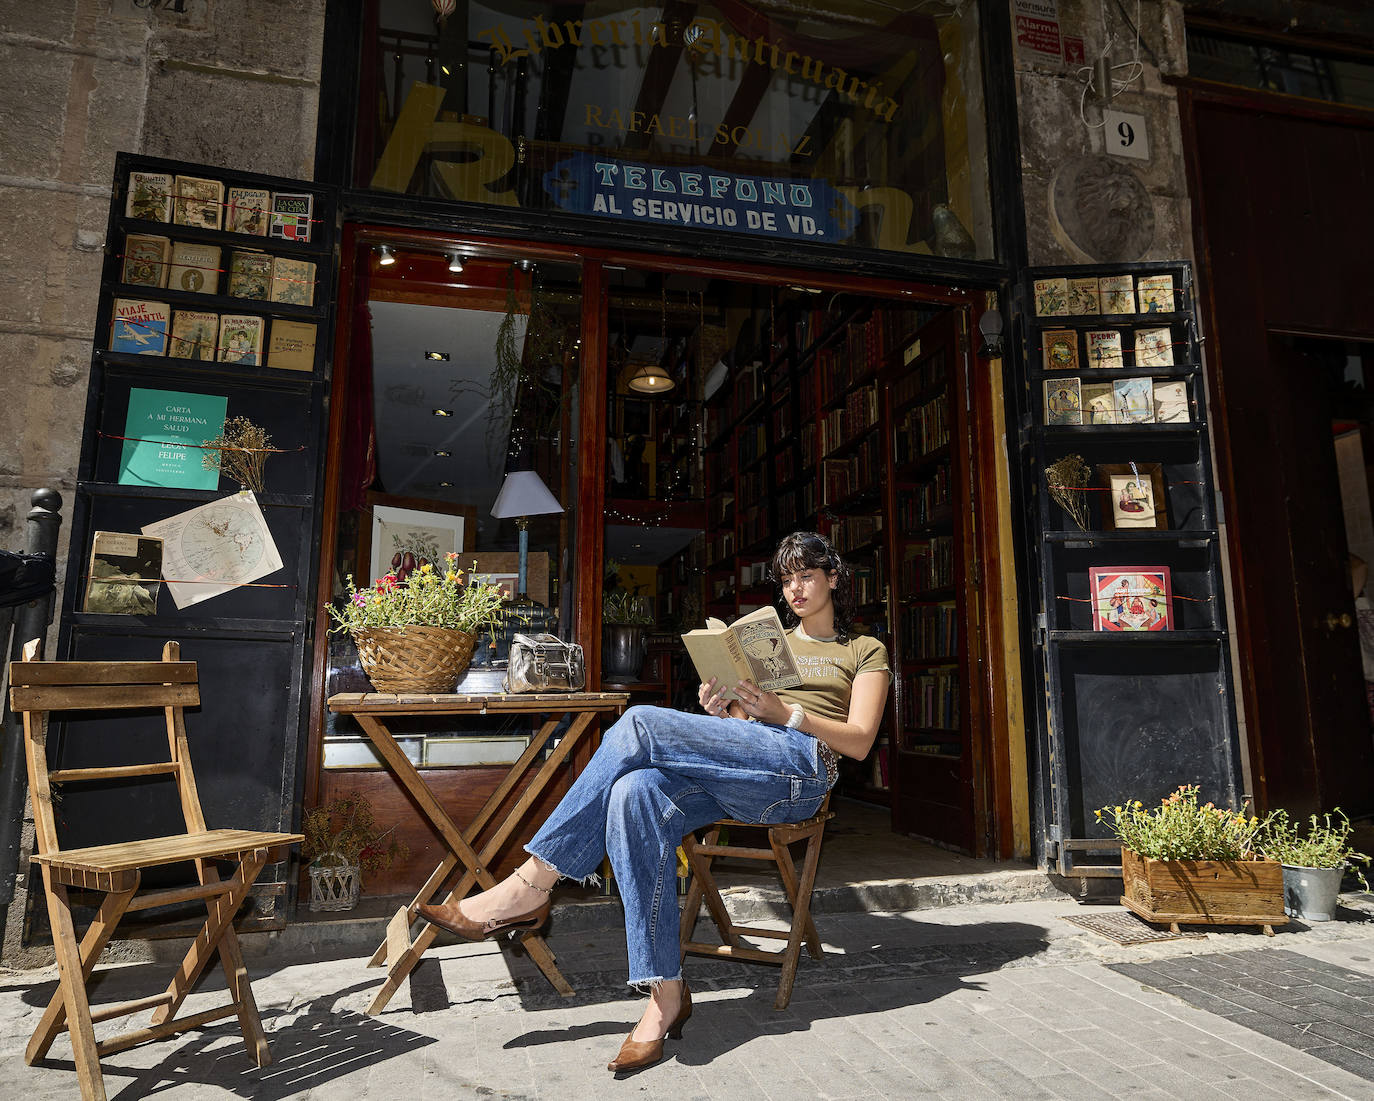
531,886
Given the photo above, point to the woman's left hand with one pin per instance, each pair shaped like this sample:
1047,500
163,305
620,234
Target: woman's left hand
761,705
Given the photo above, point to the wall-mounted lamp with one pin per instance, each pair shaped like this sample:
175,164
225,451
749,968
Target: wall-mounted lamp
990,326
386,255
455,261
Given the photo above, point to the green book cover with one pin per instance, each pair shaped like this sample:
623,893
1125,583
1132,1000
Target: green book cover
159,421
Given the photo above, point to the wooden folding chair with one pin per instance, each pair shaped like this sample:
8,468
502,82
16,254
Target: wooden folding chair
700,855
39,688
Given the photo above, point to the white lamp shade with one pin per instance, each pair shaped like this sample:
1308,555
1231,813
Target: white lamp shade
524,494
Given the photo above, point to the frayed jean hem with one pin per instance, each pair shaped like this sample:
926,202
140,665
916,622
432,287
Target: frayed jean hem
592,880
648,986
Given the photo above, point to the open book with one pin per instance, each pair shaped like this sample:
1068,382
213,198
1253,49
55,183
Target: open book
753,648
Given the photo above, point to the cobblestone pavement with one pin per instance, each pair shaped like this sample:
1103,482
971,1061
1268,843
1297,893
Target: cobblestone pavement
987,1001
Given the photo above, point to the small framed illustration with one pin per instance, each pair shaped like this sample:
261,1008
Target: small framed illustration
1135,496
427,535
1099,403
1131,598
1063,401
1051,297
1135,403
1060,348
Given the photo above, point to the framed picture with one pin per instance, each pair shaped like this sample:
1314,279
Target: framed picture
1131,598
508,583
428,535
1135,496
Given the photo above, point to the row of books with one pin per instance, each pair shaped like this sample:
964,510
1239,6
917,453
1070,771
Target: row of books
796,505
1073,401
931,699
869,583
860,471
930,631
930,373
138,327
751,487
160,262
916,507
850,532
203,203
923,430
1063,297
753,573
753,442
928,565
1102,349
859,413
753,525
784,466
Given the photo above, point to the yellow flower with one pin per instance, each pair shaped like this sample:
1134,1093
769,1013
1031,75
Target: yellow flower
1098,813
1137,804
450,576
426,568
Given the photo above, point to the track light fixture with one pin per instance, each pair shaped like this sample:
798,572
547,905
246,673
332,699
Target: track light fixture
455,261
386,255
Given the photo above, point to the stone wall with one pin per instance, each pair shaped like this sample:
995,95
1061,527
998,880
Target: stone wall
223,82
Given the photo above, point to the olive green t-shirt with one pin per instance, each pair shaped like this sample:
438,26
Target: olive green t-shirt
828,670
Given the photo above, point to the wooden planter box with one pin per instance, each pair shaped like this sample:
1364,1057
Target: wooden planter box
1204,892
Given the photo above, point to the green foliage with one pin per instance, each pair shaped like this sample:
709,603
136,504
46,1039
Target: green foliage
624,608
1180,829
1323,845
344,831
426,598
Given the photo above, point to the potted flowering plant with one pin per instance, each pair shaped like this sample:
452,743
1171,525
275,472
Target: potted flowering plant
1314,861
416,633
342,842
1188,863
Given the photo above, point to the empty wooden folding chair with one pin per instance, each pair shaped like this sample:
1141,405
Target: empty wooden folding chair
41,688
701,854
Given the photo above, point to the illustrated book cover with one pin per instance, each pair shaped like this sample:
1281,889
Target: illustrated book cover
1060,349
1084,296
1135,401
1131,598
146,258
754,647
215,548
194,333
250,274
293,281
199,202
1155,293
163,434
1051,297
1104,348
291,346
1099,403
240,339
1117,293
138,327
124,575
1154,347
1134,495
1063,401
291,214
1171,402
247,210
195,267
150,197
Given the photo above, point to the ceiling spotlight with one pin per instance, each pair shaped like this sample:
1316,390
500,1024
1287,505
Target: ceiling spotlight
442,357
455,261
445,485
443,454
524,265
443,412
387,255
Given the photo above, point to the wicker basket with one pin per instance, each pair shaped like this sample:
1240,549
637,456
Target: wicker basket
414,659
335,886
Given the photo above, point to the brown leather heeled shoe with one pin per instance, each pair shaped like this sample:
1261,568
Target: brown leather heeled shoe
638,1054
450,917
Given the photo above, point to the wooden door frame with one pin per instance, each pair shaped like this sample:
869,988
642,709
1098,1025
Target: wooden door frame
996,725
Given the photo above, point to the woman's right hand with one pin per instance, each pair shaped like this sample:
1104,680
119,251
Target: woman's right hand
712,702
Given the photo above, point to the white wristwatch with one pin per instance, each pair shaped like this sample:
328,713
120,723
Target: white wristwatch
795,719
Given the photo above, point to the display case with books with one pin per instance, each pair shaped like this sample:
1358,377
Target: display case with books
1134,659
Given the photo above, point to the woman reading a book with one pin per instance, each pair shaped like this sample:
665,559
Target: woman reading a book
659,774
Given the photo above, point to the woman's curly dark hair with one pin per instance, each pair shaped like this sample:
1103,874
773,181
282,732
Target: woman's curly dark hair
809,550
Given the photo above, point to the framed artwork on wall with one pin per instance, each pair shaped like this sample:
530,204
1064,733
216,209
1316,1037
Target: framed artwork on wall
427,535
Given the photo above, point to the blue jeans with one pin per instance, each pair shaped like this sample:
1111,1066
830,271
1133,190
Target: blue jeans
658,775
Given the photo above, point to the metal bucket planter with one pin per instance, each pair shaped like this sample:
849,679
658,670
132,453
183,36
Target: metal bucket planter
622,651
1311,893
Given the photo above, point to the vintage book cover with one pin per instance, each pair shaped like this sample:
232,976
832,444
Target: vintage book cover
194,333
1171,402
248,210
150,197
1099,403
1154,348
1084,296
138,327
1051,297
163,434
291,346
195,267
1060,348
293,281
124,575
1155,293
1117,293
250,274
146,258
754,647
1104,348
240,339
199,202
291,214
1135,400
1131,598
1063,401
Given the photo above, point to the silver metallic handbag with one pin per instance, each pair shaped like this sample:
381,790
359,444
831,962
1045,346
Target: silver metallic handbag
544,663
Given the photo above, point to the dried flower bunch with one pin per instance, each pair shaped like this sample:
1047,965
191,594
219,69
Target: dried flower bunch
426,598
1067,480
240,452
1180,829
1323,845
344,832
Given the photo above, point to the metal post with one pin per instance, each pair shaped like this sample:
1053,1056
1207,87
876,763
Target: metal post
31,621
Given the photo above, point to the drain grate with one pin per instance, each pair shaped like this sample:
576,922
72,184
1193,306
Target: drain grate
1125,927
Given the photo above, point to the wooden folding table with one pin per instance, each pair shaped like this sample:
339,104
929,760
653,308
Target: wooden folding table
373,710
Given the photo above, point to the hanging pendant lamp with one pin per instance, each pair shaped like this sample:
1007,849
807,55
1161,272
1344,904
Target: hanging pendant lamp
651,377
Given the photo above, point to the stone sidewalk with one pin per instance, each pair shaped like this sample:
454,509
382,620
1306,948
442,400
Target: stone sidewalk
985,1001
